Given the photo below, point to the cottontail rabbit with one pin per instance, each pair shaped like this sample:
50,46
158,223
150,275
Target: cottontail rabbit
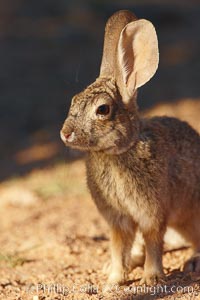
144,174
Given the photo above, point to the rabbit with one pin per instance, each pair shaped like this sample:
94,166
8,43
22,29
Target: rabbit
143,174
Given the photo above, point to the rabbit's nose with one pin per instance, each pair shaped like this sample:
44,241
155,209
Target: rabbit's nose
67,137
70,136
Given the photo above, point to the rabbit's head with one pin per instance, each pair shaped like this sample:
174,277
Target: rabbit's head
104,116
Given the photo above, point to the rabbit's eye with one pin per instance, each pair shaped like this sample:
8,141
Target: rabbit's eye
103,110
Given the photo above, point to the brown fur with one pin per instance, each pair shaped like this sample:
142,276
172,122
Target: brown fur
143,174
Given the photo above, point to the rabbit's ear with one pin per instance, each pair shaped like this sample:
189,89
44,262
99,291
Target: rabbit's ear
114,26
137,56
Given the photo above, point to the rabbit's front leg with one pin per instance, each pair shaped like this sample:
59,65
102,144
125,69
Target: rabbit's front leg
121,244
153,269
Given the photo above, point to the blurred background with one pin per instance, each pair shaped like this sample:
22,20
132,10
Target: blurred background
50,50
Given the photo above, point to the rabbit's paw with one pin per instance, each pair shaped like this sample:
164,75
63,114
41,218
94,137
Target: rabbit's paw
153,279
117,277
193,264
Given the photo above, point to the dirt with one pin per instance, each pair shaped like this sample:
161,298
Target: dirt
54,243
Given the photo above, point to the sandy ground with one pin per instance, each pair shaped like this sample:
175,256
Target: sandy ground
54,243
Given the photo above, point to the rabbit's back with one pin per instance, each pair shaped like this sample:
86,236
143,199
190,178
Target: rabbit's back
175,134
181,147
